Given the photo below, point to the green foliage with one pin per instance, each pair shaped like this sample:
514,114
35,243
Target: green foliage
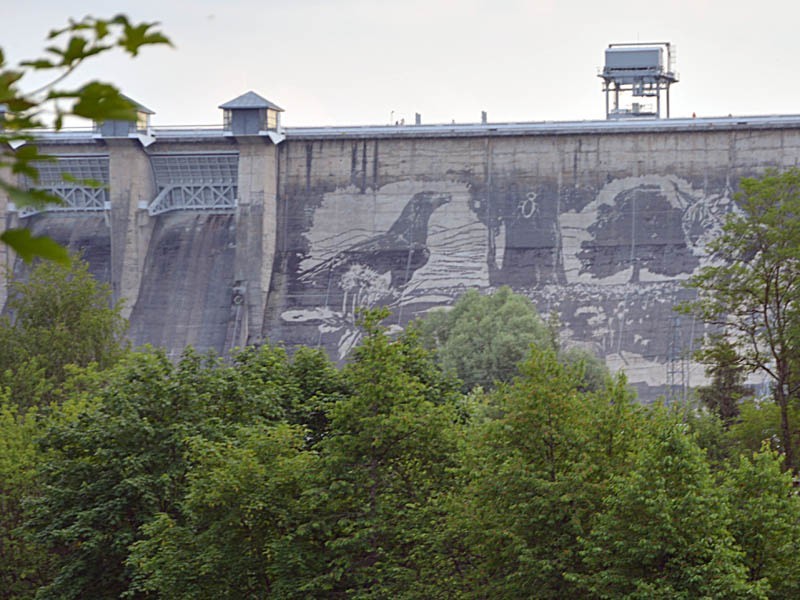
230,532
759,423
339,504
709,432
727,387
385,459
126,459
61,316
29,246
594,372
319,385
70,47
266,476
23,563
766,521
483,338
750,294
535,477
663,530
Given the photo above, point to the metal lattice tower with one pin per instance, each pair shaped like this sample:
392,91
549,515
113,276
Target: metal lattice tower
677,362
643,70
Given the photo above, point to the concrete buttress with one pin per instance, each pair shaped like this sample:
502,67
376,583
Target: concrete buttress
6,255
131,188
255,239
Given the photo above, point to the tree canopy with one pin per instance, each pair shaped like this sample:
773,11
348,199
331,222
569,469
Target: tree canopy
277,476
59,318
750,295
482,339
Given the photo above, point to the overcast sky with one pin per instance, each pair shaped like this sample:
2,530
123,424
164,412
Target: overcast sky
349,62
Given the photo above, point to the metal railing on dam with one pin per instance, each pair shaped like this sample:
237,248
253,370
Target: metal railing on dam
81,134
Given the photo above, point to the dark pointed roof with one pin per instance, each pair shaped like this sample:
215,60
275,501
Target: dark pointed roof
250,100
137,106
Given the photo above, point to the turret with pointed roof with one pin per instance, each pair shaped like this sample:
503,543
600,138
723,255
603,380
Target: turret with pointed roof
121,128
250,114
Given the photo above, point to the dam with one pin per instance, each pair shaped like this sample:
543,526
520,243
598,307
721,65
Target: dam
251,232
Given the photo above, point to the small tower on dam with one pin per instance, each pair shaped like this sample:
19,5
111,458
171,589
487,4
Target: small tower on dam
639,71
250,114
124,128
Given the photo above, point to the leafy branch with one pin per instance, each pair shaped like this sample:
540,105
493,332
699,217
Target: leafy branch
25,112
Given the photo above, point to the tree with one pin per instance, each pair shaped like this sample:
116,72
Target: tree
388,454
663,530
750,296
60,316
483,338
727,387
126,457
70,47
594,373
759,423
319,385
765,510
23,563
532,479
231,536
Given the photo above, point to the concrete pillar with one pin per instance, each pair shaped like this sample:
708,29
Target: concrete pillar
255,236
131,188
6,254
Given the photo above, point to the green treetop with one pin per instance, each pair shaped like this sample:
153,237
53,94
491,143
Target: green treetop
750,295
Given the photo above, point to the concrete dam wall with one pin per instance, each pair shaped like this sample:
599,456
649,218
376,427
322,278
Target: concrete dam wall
219,239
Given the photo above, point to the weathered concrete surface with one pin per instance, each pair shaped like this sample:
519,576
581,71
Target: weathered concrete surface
601,228
255,236
599,222
179,273
131,184
88,235
6,255
186,284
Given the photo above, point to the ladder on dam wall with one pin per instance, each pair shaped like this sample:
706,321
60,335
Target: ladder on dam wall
679,355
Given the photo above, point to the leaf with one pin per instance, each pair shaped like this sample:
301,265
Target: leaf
100,29
20,122
137,36
9,139
18,104
31,153
101,102
93,183
34,198
54,50
25,156
54,33
41,63
10,77
28,246
78,49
